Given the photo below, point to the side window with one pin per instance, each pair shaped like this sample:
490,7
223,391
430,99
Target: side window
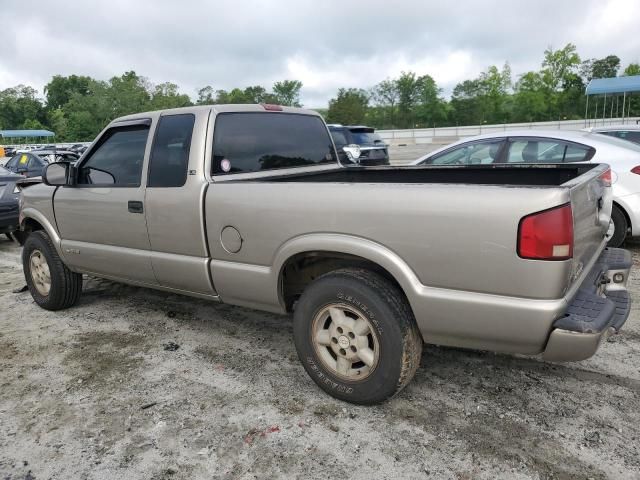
578,153
170,154
256,141
481,153
632,136
13,162
536,151
117,158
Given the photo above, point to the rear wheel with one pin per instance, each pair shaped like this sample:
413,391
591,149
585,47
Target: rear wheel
356,336
52,285
617,228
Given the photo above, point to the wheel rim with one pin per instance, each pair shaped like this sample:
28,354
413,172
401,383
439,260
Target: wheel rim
40,274
611,230
345,342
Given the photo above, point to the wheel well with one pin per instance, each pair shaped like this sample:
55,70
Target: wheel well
626,215
28,225
301,269
31,225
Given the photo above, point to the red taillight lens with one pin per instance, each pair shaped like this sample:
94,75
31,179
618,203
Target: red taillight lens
636,170
547,235
606,177
271,107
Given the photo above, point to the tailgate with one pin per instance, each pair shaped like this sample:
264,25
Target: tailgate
591,201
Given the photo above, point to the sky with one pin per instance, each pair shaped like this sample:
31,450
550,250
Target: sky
326,44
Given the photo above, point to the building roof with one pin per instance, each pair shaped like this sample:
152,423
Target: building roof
614,85
25,133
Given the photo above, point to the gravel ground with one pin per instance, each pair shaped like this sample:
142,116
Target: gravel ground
134,383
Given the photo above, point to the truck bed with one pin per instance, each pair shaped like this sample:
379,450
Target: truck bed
507,174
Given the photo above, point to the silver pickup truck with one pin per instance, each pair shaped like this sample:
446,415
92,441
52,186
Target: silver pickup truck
248,205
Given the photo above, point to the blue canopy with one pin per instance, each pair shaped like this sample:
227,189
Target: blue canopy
614,85
25,133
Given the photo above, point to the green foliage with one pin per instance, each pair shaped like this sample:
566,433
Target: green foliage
349,107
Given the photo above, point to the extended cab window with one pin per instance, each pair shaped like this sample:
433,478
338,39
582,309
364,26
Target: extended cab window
170,155
251,142
117,159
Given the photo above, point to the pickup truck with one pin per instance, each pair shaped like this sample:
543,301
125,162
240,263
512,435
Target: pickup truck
249,205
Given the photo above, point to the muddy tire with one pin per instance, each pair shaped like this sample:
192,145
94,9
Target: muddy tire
52,285
356,336
620,227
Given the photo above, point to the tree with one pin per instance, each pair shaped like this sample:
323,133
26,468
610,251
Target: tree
166,95
530,99
632,69
349,107
385,95
558,64
59,90
205,96
600,68
431,108
287,92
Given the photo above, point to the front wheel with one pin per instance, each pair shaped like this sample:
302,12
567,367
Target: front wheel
52,285
356,336
617,228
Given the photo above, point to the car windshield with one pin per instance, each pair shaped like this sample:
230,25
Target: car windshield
365,137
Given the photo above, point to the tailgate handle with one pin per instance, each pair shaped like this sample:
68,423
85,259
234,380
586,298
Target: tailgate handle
135,206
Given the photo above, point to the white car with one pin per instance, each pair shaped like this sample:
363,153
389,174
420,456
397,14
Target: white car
626,132
558,146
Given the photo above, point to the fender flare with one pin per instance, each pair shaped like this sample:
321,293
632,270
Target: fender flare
352,245
46,225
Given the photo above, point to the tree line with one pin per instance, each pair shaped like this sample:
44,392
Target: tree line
554,92
77,107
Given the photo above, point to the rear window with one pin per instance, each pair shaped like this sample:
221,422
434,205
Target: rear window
364,137
252,142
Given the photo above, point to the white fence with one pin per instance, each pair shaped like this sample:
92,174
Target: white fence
446,135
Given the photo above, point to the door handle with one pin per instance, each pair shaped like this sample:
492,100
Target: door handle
135,206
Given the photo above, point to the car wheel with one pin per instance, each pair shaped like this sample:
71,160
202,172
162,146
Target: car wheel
52,285
356,336
617,228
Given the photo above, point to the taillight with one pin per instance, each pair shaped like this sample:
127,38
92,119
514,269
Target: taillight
606,177
636,170
547,235
271,107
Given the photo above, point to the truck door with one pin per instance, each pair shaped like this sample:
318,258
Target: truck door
101,219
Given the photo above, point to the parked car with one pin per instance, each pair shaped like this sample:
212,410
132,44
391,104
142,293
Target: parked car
57,155
373,150
371,261
26,164
558,146
625,132
9,197
9,151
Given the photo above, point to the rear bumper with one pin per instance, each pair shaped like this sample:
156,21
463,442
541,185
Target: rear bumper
600,308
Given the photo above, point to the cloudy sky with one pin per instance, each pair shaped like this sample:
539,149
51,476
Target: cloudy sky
326,44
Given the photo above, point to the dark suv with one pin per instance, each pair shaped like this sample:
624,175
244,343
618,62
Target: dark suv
373,150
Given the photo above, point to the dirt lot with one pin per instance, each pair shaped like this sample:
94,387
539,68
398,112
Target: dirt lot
98,392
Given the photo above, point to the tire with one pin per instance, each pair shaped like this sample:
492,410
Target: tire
39,256
391,344
620,227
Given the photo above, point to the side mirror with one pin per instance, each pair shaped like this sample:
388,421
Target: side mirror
352,151
56,174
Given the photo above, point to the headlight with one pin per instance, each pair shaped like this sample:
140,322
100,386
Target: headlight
16,189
